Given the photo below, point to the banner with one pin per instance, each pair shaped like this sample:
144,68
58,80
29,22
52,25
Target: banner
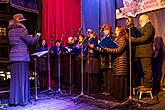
4,1
26,5
135,7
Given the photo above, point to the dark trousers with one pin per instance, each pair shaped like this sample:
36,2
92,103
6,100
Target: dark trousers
146,64
120,88
108,80
77,76
157,74
137,72
43,79
92,82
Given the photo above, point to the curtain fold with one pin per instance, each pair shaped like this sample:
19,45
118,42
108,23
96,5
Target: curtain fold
107,12
95,13
119,4
90,15
61,18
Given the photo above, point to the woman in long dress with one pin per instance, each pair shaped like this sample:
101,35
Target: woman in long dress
19,40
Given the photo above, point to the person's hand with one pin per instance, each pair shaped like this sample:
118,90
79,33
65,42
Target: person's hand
38,34
51,51
132,39
100,49
59,52
31,35
154,48
97,48
90,51
127,36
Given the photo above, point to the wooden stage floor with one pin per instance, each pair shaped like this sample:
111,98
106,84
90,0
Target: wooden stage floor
55,101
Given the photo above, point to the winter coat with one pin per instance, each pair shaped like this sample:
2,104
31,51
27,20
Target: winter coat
144,43
120,56
106,58
19,40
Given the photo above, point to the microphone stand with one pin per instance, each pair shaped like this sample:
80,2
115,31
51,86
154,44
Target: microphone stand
49,86
70,70
35,77
82,95
70,73
59,74
3,106
130,100
36,55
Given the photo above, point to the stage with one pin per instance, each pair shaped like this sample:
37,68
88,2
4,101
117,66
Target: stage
56,101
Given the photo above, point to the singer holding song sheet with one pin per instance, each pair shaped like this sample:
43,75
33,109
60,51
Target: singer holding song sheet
19,40
106,63
120,63
43,65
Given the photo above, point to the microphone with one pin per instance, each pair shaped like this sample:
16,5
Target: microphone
38,34
101,28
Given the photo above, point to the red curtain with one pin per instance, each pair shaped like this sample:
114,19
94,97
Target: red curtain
60,18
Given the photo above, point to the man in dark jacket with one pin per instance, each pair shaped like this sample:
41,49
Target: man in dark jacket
134,32
144,49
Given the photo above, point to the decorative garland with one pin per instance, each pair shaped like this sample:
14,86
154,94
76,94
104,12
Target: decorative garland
23,8
4,1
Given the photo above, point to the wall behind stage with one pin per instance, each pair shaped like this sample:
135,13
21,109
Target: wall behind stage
60,18
95,13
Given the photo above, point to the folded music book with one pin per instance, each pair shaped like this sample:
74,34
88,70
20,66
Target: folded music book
76,51
39,54
107,43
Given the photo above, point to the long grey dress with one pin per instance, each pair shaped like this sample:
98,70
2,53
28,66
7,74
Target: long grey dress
19,58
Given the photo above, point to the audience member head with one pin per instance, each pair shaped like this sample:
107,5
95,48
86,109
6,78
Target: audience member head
93,35
89,31
70,39
75,37
120,31
143,20
44,43
107,29
81,38
58,43
19,18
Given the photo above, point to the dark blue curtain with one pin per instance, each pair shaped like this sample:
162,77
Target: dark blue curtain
26,5
90,15
96,13
107,12
119,4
